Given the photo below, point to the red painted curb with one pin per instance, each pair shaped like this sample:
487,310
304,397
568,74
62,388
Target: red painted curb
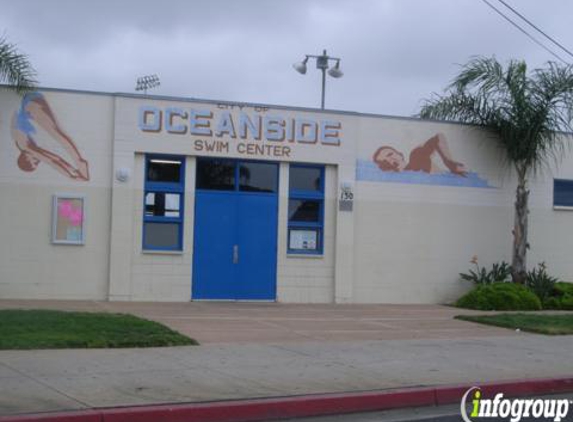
300,406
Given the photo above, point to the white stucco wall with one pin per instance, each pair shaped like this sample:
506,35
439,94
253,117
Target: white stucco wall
402,243
162,275
413,239
143,275
31,266
307,278
551,229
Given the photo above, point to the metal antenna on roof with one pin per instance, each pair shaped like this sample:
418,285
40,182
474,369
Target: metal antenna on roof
146,82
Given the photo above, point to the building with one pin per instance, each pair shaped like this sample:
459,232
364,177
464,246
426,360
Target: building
130,197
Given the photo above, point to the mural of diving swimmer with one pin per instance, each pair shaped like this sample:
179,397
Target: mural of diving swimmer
35,112
430,163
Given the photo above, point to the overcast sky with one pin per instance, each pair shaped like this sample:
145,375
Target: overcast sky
394,52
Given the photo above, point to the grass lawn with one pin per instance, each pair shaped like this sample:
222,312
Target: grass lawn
43,329
542,324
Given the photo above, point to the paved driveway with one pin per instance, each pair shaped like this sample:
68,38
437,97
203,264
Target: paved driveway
210,322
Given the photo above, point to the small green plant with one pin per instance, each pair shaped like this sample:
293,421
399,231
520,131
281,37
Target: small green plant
541,283
499,273
500,297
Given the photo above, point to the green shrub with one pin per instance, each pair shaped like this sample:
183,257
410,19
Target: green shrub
499,273
562,288
561,297
567,303
541,283
500,297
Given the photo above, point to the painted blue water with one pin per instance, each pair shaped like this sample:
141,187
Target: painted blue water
366,170
23,119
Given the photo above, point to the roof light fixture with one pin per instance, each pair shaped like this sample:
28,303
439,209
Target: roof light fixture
322,65
147,82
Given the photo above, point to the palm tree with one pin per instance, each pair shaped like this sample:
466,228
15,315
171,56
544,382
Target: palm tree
15,69
525,111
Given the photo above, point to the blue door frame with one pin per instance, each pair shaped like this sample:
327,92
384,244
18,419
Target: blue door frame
235,245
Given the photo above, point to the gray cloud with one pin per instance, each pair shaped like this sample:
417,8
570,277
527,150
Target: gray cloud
394,52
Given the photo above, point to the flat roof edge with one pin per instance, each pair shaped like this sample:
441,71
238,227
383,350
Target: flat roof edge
274,106
246,103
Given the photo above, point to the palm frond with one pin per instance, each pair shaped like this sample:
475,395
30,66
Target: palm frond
482,72
525,111
457,106
15,68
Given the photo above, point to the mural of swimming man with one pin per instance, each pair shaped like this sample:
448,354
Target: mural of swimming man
34,109
421,158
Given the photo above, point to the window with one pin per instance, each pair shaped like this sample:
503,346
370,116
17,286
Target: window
305,209
163,203
258,177
229,175
562,193
306,179
68,219
213,174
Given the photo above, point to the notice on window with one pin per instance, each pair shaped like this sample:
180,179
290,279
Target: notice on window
172,201
306,240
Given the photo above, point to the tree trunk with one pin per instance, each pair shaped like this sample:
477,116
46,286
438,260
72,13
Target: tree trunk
520,245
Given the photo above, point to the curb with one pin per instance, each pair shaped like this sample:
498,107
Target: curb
300,406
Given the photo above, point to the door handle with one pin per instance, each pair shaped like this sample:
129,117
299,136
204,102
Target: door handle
235,254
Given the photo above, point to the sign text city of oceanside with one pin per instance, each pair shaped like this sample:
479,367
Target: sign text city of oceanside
249,132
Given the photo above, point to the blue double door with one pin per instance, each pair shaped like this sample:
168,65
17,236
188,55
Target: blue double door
235,245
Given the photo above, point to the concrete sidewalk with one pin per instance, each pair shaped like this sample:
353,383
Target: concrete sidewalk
249,323
273,350
39,381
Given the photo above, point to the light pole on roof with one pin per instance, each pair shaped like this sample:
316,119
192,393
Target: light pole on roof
147,82
322,64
